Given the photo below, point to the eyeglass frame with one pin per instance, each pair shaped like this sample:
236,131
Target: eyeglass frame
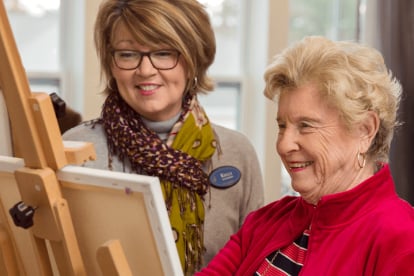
146,54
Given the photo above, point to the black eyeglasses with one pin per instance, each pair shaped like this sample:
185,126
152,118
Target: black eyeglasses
160,59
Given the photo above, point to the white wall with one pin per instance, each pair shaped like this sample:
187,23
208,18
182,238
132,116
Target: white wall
267,35
81,82
278,40
93,86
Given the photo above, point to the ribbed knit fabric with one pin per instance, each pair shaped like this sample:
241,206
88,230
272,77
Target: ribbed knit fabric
286,261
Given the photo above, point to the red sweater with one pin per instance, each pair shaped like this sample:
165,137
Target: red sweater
368,230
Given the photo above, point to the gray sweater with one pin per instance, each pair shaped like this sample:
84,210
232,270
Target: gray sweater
225,208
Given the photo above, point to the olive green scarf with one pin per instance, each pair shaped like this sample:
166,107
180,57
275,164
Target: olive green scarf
177,163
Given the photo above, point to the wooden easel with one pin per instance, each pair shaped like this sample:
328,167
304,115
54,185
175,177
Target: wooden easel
36,135
42,178
120,222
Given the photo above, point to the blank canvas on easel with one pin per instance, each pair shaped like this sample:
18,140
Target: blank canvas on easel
108,206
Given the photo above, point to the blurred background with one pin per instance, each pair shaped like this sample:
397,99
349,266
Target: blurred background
55,41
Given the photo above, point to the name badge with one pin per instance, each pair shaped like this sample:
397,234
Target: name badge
224,177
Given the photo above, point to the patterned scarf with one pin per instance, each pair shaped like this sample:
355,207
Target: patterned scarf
177,163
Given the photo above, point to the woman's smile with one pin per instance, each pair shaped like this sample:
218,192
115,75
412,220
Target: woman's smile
298,166
147,89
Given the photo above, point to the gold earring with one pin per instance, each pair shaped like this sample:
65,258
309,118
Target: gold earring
193,86
195,83
361,163
109,84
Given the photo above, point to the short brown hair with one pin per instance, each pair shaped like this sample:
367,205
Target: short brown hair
183,25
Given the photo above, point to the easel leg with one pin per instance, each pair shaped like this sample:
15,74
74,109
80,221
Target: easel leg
43,257
8,263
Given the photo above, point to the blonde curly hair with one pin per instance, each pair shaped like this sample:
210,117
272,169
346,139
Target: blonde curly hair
352,77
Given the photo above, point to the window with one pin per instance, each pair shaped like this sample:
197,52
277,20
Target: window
223,105
35,25
336,19
242,40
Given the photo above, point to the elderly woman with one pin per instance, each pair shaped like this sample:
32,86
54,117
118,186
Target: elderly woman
337,107
154,55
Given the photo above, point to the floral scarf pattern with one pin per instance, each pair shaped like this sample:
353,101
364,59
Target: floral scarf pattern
178,164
